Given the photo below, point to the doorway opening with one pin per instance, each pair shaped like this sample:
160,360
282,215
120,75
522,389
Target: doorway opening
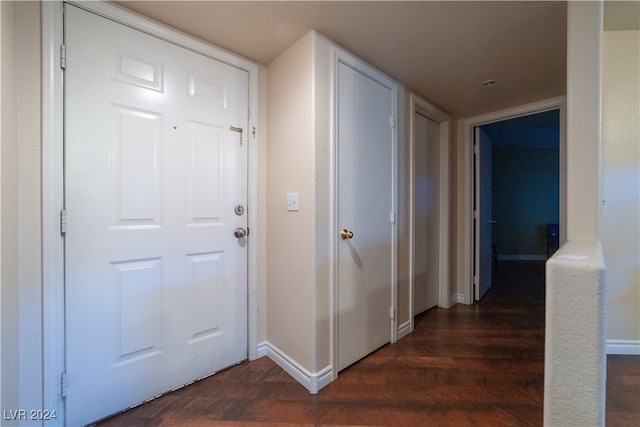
517,188
467,133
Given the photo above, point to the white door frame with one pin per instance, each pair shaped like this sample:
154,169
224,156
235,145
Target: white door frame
340,55
53,181
420,106
465,136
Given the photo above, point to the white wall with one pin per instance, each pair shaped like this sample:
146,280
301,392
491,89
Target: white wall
9,292
323,132
620,226
299,243
291,235
21,189
29,114
583,136
262,131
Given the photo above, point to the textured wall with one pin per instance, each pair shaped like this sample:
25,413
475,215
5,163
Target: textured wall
575,360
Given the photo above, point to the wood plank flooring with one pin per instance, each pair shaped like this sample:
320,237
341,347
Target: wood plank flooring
479,365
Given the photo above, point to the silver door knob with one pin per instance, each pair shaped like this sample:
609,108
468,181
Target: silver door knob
240,232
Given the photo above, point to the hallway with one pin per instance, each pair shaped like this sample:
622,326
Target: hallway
469,365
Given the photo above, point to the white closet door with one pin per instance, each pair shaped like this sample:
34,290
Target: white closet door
365,202
426,286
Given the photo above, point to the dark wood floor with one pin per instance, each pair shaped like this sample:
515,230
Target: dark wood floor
479,365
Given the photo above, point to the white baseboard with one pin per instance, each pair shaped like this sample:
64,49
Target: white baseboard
262,349
456,299
404,329
312,382
631,347
522,257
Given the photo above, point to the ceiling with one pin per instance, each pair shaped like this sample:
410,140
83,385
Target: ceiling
441,50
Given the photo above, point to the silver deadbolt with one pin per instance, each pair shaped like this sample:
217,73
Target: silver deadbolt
239,210
240,232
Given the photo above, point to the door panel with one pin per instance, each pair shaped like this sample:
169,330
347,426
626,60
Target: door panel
156,285
426,245
365,202
484,221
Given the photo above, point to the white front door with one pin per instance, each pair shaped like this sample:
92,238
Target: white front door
484,217
426,268
155,166
365,187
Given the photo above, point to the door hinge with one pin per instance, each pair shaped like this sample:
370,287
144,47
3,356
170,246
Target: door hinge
475,214
392,217
392,121
63,384
63,221
392,313
63,57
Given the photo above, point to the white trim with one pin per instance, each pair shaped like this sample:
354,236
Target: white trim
630,347
426,109
341,55
262,349
465,137
456,299
168,34
52,179
52,203
312,382
405,329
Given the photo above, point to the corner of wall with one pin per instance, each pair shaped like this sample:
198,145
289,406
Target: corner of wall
262,143
575,358
290,234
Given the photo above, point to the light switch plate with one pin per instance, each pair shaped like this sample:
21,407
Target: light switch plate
292,202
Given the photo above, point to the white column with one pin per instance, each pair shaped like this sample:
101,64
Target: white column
584,84
575,359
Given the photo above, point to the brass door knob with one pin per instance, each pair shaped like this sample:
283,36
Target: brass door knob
346,234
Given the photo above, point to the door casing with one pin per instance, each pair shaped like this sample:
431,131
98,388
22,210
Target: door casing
465,165
53,189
